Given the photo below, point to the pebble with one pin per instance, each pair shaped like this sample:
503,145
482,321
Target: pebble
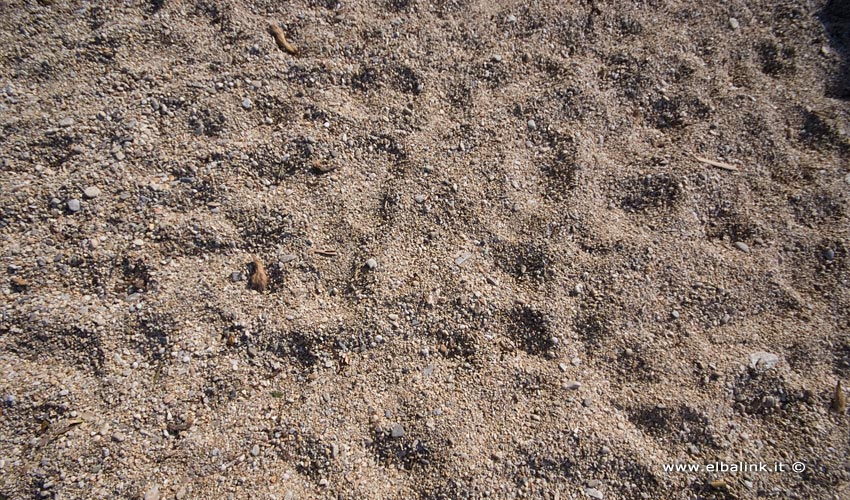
152,493
419,198
246,103
511,18
397,431
563,366
9,399
497,58
255,450
236,276
576,361
463,258
587,402
740,245
829,255
571,385
675,314
66,122
733,23
118,437
532,124
763,359
593,493
372,264
74,205
92,192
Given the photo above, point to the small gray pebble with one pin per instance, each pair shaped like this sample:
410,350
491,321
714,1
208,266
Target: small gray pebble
733,23
74,205
593,493
255,450
532,124
419,198
246,103
118,437
9,399
66,122
829,255
740,245
92,192
587,402
511,18
675,314
236,276
372,264
497,58
593,483
397,431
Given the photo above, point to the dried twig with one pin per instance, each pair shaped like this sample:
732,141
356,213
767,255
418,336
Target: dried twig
325,252
718,164
281,40
258,280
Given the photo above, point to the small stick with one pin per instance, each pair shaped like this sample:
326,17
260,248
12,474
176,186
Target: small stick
258,280
281,40
718,164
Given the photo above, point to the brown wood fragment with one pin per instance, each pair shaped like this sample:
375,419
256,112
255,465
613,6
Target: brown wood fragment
839,399
281,40
322,167
325,252
259,280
